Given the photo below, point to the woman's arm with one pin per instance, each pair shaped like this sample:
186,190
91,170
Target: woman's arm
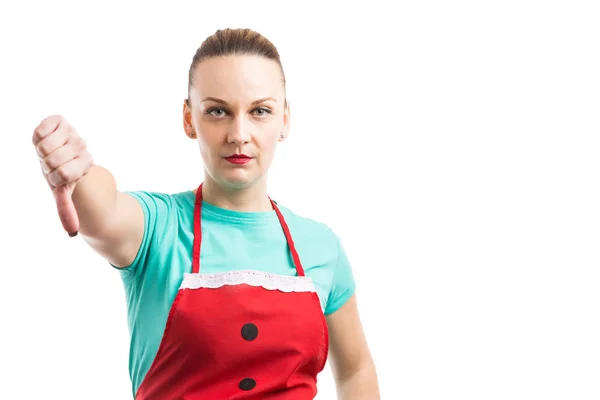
111,222
351,362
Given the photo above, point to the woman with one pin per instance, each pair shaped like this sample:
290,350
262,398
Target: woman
229,295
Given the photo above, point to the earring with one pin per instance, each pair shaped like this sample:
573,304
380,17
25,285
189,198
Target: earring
281,136
192,134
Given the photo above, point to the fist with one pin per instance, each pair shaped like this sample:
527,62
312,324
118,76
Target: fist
64,160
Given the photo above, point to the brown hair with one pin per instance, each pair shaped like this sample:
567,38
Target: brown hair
234,42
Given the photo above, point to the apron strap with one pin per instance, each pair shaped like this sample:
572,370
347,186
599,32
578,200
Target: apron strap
288,236
197,231
198,235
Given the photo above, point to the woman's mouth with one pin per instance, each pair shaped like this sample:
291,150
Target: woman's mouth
238,158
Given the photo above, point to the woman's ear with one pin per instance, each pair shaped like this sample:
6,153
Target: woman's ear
187,119
285,131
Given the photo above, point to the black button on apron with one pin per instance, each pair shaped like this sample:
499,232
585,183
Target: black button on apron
247,384
249,331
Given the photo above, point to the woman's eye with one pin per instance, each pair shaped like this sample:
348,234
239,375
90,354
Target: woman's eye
216,112
261,112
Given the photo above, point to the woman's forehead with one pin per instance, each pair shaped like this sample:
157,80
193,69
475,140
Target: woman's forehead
238,76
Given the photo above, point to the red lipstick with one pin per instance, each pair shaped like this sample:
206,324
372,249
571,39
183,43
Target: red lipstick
238,158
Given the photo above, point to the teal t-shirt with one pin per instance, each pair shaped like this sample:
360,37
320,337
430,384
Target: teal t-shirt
231,240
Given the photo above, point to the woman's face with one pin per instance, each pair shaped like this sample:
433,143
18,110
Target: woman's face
236,108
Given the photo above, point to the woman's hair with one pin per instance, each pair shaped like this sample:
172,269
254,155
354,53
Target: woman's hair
234,42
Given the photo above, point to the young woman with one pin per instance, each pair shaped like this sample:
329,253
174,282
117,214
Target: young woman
229,294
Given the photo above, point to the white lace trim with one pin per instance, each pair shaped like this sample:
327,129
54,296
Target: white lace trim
251,277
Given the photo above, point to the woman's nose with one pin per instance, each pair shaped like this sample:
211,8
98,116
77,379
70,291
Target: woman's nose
239,131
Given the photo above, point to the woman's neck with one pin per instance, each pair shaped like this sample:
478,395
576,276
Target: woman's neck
250,199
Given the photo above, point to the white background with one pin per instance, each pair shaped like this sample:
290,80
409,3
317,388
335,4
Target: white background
452,145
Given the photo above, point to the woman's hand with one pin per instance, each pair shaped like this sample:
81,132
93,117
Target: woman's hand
64,160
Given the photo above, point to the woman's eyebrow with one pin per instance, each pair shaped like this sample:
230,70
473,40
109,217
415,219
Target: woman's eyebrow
264,99
216,100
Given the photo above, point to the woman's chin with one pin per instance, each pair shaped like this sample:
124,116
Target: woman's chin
238,178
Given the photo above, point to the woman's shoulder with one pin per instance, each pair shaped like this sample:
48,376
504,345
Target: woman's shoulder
174,199
307,226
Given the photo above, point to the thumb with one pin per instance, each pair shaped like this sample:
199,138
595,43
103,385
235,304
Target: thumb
66,209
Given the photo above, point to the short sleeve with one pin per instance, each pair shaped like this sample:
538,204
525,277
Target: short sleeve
157,208
343,285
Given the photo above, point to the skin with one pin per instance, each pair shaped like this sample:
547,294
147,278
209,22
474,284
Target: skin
237,106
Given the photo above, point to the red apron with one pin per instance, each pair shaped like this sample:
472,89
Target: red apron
243,334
